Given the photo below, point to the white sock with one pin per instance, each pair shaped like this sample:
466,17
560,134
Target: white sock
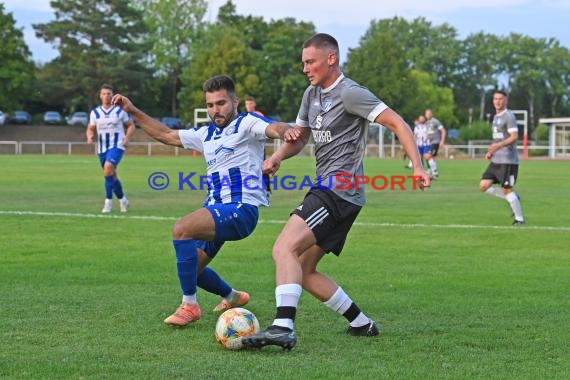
496,192
361,320
189,298
515,204
232,296
433,165
339,301
287,295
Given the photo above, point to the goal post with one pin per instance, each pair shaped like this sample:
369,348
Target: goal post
522,119
201,117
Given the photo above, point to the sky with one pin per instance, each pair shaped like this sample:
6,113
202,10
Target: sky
348,20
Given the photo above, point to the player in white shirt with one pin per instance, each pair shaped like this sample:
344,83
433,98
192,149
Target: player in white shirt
108,121
233,146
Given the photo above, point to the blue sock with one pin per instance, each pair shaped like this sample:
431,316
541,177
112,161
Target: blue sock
187,264
211,282
118,189
109,183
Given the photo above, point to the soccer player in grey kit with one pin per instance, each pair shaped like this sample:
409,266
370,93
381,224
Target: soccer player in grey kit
336,111
504,165
436,135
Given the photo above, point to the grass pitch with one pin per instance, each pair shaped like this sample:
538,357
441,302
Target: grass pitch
458,293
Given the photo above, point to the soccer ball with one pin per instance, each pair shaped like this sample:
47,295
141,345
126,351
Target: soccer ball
233,325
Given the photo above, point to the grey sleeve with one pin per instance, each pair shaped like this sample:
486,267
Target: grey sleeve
512,123
362,102
303,115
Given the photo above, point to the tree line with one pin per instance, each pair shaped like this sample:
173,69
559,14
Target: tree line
159,52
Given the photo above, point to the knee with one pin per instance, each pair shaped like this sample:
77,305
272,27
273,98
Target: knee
483,187
108,170
282,252
278,252
179,232
108,173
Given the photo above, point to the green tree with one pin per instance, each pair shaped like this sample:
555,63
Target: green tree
424,92
379,64
263,58
173,27
434,49
524,64
557,67
16,66
280,68
479,70
99,41
223,52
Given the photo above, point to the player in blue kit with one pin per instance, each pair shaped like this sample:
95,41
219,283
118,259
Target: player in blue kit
109,122
233,146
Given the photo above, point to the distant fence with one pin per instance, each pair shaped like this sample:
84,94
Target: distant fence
380,143
390,150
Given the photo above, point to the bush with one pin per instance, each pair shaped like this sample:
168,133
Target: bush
479,130
541,133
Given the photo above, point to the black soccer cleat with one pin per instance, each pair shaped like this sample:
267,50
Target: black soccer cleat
518,223
272,336
371,329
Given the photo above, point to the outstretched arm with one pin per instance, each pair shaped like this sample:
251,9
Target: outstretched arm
277,130
153,127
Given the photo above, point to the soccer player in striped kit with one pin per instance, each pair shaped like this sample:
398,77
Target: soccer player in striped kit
108,121
233,146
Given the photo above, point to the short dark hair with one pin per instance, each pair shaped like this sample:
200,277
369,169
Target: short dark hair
501,92
249,98
322,40
220,82
106,86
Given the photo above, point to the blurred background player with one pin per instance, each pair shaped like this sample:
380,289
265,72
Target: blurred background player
504,166
422,140
251,106
233,146
436,135
109,121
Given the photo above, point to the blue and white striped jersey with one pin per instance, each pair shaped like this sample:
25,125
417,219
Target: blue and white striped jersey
421,134
110,127
233,158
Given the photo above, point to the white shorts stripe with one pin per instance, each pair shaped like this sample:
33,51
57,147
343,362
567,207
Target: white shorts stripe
317,217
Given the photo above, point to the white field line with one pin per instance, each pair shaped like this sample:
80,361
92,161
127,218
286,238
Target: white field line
261,221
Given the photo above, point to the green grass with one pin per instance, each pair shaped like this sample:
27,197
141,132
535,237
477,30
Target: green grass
459,294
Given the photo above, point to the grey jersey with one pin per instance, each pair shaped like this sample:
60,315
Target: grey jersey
434,128
503,124
338,117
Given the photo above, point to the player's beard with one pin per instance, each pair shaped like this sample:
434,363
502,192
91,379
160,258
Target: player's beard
227,119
